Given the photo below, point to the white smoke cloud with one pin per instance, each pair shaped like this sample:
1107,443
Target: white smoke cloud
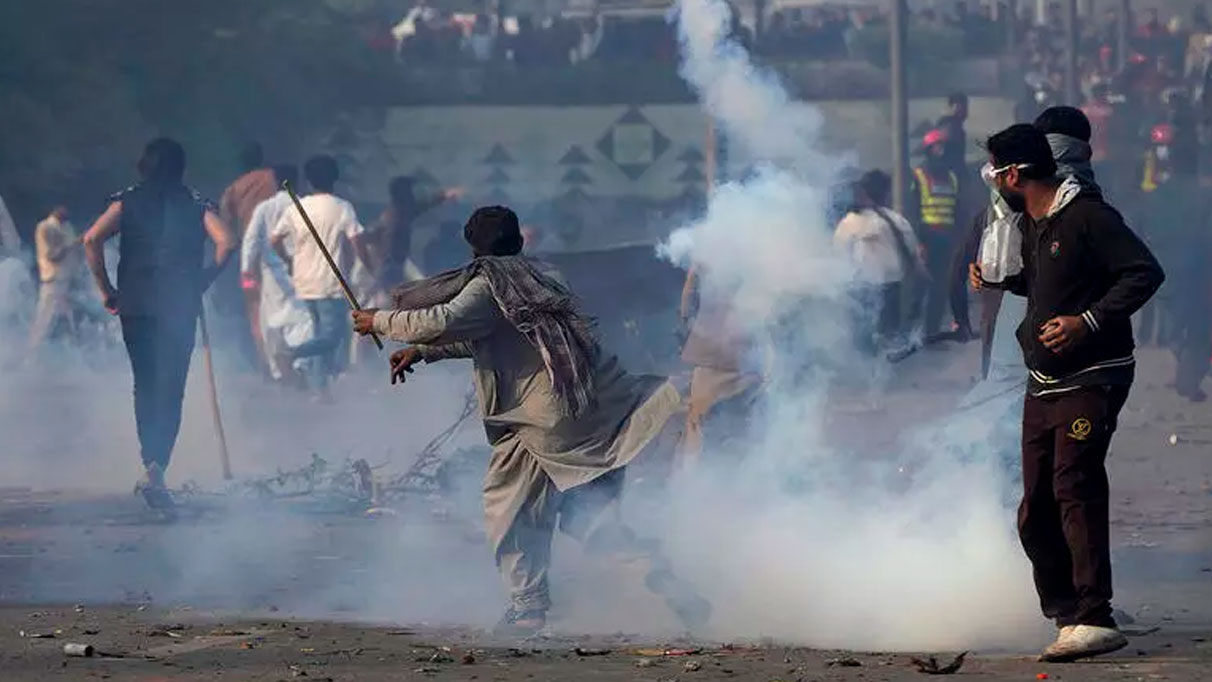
800,539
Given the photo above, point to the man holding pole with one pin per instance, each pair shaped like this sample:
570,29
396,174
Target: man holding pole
161,279
340,235
563,418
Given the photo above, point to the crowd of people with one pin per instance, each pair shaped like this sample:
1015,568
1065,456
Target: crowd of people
914,266
429,35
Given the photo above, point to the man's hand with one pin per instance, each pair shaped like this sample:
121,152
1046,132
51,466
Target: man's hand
974,277
402,362
364,320
1062,333
110,301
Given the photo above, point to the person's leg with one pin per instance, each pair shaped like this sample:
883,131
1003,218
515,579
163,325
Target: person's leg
315,351
957,285
139,335
520,508
52,305
709,388
592,514
331,318
1039,518
1088,420
1193,347
175,347
938,261
864,317
890,311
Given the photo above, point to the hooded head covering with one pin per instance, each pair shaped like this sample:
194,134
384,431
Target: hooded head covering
1072,158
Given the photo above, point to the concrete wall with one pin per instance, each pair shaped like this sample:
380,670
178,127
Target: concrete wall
530,154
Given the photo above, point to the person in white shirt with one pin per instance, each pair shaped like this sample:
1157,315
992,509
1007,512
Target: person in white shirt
59,258
285,322
315,284
881,245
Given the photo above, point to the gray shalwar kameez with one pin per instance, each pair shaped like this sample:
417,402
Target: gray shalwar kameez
544,465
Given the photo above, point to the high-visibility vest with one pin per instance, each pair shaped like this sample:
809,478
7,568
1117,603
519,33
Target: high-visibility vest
938,199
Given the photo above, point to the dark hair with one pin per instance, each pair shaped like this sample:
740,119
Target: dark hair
321,172
400,189
252,156
493,231
163,161
956,99
1023,143
287,172
876,185
1064,120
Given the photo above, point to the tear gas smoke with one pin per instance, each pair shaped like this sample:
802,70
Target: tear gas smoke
798,539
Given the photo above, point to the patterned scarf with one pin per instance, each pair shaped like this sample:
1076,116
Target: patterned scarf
538,306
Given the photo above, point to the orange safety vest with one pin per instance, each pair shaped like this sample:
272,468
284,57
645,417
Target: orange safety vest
938,199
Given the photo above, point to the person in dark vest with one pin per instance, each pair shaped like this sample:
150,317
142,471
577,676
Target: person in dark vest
164,226
934,198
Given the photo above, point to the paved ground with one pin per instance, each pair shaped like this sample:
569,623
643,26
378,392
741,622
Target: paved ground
286,592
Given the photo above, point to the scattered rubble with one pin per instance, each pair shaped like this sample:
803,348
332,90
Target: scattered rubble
930,666
844,662
78,650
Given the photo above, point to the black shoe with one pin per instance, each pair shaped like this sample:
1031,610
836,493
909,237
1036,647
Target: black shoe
155,493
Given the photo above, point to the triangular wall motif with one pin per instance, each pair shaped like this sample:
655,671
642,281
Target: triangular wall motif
497,156
576,176
498,176
574,156
691,174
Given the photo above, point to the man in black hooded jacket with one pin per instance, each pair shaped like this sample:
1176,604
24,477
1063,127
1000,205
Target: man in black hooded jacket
1084,275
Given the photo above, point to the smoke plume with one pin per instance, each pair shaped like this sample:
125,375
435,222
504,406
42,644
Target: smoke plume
797,537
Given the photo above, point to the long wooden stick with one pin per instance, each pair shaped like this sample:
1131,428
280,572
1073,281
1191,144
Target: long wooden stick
214,396
349,294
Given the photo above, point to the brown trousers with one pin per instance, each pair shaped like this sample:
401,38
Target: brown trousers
1063,520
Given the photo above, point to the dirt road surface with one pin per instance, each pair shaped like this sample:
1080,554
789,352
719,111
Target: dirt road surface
92,567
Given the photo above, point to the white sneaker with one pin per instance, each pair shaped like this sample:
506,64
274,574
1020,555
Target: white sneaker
1083,641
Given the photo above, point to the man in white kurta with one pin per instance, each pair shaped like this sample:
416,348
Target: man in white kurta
548,467
285,322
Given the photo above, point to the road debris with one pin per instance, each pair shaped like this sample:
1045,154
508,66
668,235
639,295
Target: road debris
40,635
844,662
78,650
691,667
468,658
930,666
667,652
646,663
436,657
581,651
